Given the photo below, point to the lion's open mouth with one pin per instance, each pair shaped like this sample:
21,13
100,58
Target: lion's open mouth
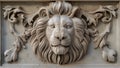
66,46
60,49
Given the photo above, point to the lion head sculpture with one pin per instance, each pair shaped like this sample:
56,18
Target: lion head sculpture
60,38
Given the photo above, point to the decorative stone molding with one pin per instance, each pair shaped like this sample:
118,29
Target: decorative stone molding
60,33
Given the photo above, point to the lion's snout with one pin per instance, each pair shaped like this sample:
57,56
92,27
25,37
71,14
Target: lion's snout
60,38
60,43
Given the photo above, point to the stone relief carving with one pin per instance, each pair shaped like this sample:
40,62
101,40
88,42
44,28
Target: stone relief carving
60,33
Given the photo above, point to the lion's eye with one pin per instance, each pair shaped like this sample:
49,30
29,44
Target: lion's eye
67,26
52,26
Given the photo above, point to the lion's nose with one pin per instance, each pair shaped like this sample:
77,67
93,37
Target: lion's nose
60,38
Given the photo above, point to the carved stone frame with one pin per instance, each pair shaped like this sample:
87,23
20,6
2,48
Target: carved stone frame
39,0
0,37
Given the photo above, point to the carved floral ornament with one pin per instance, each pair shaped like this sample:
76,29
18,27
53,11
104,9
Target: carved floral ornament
60,33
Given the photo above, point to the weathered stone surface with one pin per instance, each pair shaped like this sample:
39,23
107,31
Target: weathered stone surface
93,57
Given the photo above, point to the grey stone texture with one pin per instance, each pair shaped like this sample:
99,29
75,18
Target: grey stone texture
27,59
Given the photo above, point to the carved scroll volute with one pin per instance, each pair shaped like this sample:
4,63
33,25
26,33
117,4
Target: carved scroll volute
109,13
62,46
104,14
14,15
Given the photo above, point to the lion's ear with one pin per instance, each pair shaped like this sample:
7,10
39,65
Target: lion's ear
41,13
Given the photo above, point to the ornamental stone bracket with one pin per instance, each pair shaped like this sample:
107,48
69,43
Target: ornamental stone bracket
60,33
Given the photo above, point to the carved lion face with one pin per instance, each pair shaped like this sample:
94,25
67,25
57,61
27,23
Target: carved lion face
59,32
59,39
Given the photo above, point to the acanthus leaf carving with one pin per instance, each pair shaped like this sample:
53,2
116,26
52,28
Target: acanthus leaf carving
15,15
67,45
104,14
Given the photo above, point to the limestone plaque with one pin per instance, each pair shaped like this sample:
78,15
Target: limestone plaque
61,32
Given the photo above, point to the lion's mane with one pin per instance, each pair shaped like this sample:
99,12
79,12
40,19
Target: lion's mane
41,45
